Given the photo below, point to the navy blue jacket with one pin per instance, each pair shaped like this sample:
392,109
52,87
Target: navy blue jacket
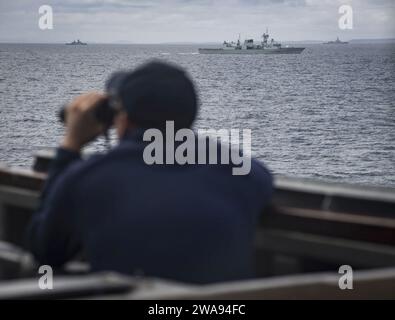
192,223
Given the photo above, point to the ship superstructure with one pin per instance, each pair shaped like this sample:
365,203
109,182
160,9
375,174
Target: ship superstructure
266,46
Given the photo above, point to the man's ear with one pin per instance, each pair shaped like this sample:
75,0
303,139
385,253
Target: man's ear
121,123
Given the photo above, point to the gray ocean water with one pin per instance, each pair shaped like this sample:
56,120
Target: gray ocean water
328,113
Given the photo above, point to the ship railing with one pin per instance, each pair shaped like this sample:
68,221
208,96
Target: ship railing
370,284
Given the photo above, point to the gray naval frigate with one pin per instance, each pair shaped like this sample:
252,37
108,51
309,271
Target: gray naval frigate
336,42
76,43
249,47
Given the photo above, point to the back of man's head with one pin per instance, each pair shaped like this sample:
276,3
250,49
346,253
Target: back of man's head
154,93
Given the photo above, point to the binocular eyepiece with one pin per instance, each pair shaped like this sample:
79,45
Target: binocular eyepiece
103,111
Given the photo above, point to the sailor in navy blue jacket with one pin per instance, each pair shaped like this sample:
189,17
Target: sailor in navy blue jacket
192,223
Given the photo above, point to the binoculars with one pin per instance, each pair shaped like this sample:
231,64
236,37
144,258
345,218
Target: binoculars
104,113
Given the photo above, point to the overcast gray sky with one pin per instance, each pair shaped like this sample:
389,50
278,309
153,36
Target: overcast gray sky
156,21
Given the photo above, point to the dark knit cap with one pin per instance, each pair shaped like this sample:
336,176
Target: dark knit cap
154,93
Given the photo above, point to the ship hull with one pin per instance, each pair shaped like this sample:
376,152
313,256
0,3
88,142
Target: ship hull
253,51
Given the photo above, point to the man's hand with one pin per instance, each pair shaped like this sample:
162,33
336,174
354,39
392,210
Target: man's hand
81,124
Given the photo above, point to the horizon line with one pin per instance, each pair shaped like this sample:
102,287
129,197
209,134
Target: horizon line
184,42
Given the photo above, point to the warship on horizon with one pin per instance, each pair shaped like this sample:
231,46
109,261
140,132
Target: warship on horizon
336,42
76,43
265,47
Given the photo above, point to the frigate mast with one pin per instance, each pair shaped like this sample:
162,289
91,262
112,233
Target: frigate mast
265,37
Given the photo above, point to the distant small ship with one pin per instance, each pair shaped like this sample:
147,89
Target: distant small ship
76,43
336,42
249,47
